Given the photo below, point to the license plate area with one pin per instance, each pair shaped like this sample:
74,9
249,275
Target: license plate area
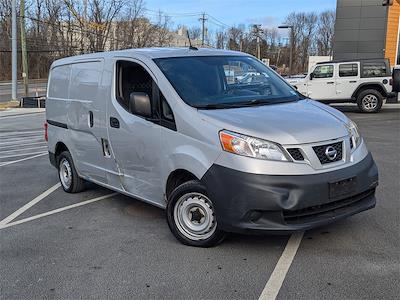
342,188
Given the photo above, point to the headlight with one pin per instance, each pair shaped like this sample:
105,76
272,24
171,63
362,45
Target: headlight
249,146
354,134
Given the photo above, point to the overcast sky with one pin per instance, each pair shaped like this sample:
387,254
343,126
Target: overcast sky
233,12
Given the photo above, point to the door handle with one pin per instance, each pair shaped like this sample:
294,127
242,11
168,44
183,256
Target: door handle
330,82
91,119
114,122
353,81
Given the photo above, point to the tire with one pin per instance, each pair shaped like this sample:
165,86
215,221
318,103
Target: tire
69,178
191,216
369,101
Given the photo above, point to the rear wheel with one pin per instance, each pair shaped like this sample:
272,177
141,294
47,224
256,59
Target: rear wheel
191,216
69,178
370,101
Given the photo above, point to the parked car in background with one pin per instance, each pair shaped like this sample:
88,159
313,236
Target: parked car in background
365,82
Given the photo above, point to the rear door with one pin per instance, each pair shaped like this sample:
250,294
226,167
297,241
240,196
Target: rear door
135,141
322,86
86,118
348,79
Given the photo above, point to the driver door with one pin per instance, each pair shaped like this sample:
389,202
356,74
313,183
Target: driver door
135,140
322,86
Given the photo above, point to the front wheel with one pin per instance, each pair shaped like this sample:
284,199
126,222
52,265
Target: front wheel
191,216
370,101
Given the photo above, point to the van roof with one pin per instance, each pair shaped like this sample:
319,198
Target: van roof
150,53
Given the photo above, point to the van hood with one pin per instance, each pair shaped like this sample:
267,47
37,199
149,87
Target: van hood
300,122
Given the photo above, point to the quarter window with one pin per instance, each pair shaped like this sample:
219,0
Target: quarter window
85,78
374,69
59,82
325,71
347,70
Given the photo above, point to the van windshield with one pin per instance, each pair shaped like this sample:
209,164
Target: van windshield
211,82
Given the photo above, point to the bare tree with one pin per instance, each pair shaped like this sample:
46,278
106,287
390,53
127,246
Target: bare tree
325,32
195,33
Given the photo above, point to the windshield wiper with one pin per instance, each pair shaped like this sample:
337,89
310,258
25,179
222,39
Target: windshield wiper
219,105
253,102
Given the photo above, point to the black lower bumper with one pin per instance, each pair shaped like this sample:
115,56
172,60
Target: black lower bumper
246,202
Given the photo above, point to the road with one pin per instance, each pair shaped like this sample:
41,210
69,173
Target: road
65,247
36,86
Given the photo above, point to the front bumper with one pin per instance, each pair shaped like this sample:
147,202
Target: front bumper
246,202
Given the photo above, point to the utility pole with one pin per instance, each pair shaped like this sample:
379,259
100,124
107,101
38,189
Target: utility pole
23,48
290,27
257,30
203,29
14,50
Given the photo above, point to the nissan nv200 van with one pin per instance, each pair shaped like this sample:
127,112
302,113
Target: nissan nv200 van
177,128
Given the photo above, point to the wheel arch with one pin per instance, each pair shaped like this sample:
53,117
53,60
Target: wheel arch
370,85
59,148
187,161
176,178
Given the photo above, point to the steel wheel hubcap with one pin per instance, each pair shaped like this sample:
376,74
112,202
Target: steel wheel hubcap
65,173
370,102
194,216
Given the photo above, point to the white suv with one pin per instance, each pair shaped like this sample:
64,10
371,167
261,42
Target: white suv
366,82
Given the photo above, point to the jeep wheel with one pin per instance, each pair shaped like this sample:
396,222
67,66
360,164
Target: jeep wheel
370,101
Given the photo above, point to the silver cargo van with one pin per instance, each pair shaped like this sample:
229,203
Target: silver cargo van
180,129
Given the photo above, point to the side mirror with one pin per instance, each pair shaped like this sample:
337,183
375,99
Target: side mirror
139,104
396,80
311,76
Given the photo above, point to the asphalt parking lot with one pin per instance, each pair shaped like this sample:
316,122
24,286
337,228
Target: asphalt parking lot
101,245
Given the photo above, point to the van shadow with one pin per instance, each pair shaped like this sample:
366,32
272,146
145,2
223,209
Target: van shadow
145,212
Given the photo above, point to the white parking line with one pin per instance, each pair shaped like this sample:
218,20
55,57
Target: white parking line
36,139
23,149
277,277
17,133
21,115
52,212
18,145
29,205
22,154
22,159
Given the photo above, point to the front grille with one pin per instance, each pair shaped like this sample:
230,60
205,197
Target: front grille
295,153
313,212
323,158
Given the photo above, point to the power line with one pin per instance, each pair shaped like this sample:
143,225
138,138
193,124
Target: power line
218,21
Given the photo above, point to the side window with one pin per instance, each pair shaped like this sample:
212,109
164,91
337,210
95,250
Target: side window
166,111
324,71
374,69
167,116
347,70
85,78
59,82
132,77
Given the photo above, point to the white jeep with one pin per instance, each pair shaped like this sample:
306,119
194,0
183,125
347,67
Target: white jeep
365,82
